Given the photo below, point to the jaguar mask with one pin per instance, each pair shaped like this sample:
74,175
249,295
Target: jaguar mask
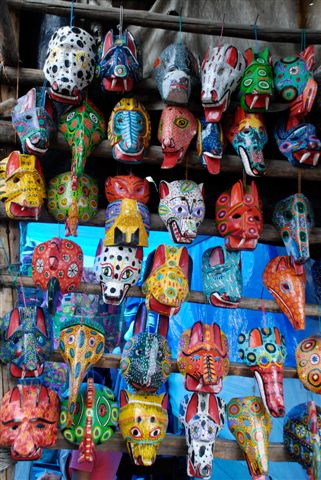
263,350
308,363
143,423
203,358
182,208
210,145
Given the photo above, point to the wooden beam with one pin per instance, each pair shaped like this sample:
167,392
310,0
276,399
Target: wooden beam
9,54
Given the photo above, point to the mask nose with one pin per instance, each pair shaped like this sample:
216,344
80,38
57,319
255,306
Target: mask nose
168,142
23,444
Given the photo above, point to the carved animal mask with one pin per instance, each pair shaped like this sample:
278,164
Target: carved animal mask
143,423
288,288
202,416
250,423
263,350
222,277
70,64
83,128
129,130
26,340
57,267
29,421
22,186
176,71
308,362
117,269
177,127
32,119
95,419
239,216
222,70
210,145
203,358
257,82
118,65
293,218
181,208
247,134
166,284
82,344
72,206
145,362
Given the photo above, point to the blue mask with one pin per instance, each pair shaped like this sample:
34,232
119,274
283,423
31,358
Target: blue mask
210,145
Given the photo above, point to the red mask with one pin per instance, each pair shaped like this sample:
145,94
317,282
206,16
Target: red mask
127,186
239,216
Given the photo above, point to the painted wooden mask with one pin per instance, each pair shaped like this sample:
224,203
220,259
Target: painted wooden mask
22,186
308,363
182,208
222,70
210,145
247,134
145,362
81,344
143,423
256,87
263,351
26,341
176,71
222,277
57,267
239,216
293,218
70,205
70,64
29,421
118,67
250,423
166,284
32,119
288,288
129,130
202,416
94,421
127,215
177,127
203,358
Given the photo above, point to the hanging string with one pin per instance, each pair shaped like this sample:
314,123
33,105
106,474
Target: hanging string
43,93
303,39
255,34
180,32
72,13
219,41
186,166
121,20
299,180
263,309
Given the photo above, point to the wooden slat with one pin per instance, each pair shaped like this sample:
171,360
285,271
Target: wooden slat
9,53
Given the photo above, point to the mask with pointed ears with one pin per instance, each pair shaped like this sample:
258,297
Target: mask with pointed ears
210,145
308,363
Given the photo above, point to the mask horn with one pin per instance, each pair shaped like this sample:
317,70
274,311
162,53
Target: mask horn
53,295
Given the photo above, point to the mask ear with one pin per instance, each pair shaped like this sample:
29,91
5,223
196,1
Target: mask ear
14,322
162,329
237,193
213,410
205,59
255,193
164,400
16,395
163,189
231,57
109,38
266,55
255,339
43,395
99,247
196,336
131,43
124,399
140,319
217,257
13,163
308,55
248,55
202,189
277,336
192,408
40,318
217,333
282,265
139,253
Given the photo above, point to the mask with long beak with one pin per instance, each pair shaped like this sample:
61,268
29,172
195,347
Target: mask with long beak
263,350
82,344
29,421
308,363
288,288
203,358
210,145
250,423
143,423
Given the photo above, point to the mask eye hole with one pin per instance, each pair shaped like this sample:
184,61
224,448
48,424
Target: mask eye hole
135,432
155,433
71,339
16,180
236,216
314,359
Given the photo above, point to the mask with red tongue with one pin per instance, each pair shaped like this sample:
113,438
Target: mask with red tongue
210,145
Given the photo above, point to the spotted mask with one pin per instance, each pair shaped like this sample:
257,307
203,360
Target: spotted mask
222,277
129,130
202,416
166,283
29,421
263,350
145,362
117,269
293,218
247,134
177,127
95,419
176,72
22,186
26,341
288,288
203,358
257,82
143,423
250,423
210,145
222,70
70,64
181,208
308,363
239,216
32,119
118,66
57,267
81,344
72,206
